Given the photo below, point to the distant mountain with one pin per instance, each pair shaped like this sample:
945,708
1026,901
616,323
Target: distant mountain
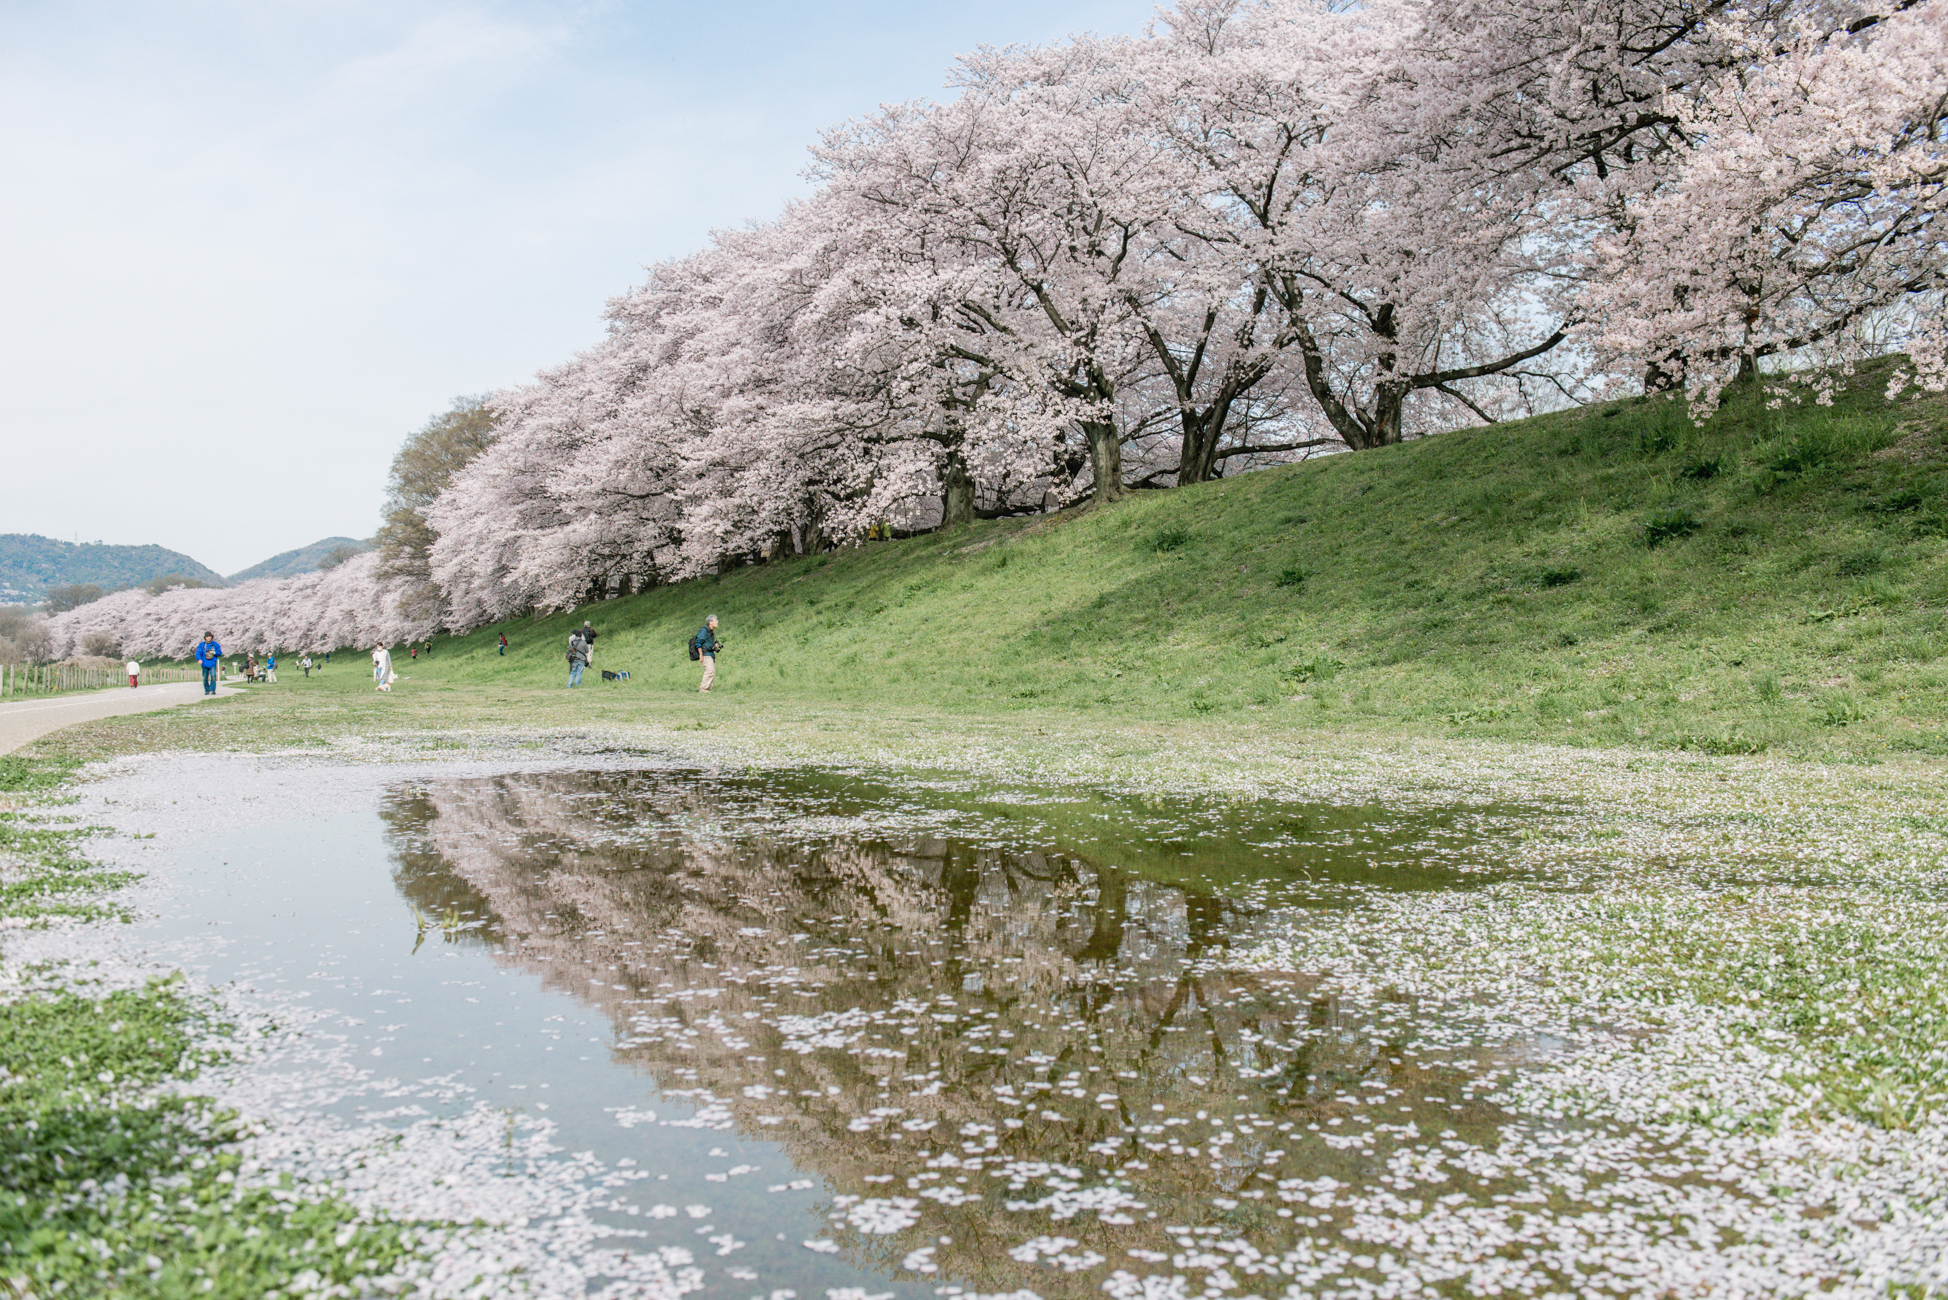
30,564
303,560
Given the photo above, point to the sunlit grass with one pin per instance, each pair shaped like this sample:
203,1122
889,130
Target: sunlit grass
1613,575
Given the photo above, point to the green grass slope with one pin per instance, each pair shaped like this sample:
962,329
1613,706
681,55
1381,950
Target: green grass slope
1775,579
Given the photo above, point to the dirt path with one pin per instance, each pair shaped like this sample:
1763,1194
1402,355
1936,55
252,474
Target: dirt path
32,719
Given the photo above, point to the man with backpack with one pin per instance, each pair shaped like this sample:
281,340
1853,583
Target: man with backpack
209,656
577,658
703,648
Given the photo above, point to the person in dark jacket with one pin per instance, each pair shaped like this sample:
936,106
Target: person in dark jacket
588,640
210,656
707,646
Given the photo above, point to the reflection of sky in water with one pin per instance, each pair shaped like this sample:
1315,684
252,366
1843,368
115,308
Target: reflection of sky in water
943,1036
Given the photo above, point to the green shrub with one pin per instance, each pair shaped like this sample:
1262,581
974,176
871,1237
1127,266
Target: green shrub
1669,525
1837,709
1860,563
1174,538
1292,577
1803,452
1896,502
1914,649
1655,441
1319,668
1701,467
1732,741
1476,713
1878,590
1560,577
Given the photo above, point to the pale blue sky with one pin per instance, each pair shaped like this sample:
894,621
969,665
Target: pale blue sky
246,247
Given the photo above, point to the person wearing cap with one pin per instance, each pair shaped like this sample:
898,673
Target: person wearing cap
209,657
706,645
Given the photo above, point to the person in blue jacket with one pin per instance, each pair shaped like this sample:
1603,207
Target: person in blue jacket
210,655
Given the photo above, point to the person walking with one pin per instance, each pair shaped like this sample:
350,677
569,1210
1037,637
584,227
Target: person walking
577,658
209,656
270,666
503,643
305,663
412,651
381,668
703,648
135,671
588,639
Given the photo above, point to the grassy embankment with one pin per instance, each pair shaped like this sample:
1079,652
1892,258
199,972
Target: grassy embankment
1775,579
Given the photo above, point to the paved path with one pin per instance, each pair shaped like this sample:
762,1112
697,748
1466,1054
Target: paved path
32,719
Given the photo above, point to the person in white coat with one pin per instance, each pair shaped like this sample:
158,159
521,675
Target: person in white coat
135,671
382,667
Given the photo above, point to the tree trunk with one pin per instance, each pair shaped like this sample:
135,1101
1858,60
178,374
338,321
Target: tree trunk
1197,453
811,533
957,492
1112,915
1388,404
1106,458
1664,374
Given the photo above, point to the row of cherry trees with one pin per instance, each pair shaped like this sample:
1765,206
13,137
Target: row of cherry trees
1261,230
1264,229
350,604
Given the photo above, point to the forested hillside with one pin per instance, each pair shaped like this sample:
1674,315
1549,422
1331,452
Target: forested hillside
30,564
305,559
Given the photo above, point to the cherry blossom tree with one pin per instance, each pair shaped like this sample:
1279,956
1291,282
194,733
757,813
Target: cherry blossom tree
350,604
1265,228
1807,191
1038,215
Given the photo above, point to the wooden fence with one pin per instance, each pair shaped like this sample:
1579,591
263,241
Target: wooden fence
19,680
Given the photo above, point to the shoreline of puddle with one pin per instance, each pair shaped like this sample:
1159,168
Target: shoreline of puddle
899,1061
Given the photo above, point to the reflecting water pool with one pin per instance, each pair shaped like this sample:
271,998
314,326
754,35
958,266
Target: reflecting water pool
852,1036
909,1037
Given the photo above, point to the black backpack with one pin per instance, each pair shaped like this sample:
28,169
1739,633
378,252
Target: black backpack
696,651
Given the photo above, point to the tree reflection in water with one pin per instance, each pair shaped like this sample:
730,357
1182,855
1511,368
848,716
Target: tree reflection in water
983,1047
